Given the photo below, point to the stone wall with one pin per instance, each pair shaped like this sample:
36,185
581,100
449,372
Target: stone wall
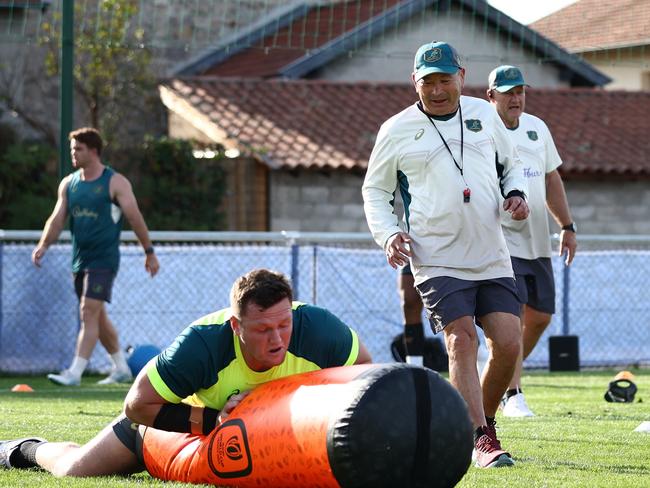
332,202
312,201
618,207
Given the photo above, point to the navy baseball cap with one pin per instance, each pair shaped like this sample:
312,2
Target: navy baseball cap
435,57
504,78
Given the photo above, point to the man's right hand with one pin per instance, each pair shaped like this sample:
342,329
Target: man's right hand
37,254
398,249
232,402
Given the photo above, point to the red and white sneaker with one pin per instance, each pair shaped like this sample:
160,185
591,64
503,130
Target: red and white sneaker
487,450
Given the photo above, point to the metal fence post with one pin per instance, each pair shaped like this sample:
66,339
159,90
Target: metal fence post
314,280
1,265
295,254
67,83
565,299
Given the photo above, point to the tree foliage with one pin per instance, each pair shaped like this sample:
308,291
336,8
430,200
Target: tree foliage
177,191
112,72
28,183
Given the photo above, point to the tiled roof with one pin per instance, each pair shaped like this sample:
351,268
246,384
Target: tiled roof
320,25
299,38
596,24
332,125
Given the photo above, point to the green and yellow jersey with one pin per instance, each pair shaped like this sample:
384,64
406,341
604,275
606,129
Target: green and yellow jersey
204,366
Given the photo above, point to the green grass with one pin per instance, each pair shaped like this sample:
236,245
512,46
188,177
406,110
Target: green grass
576,440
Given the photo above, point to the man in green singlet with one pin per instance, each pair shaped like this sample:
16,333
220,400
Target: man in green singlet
94,197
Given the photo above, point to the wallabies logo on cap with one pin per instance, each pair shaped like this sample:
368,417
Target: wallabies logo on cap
511,74
432,55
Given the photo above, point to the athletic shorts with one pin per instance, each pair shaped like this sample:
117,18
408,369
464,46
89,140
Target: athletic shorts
128,433
535,283
447,299
406,270
94,283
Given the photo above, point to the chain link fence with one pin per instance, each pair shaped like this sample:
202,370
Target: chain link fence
604,296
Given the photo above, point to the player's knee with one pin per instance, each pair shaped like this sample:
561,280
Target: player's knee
537,326
506,348
460,343
89,316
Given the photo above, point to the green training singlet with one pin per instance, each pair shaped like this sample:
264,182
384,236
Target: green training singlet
95,223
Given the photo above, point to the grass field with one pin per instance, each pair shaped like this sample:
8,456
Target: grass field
576,440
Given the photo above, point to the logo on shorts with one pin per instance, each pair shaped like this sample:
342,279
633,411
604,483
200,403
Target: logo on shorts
474,125
228,454
419,134
97,288
532,135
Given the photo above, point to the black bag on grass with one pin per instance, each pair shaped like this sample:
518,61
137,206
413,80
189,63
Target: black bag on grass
435,355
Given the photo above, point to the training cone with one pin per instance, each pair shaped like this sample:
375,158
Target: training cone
22,387
624,375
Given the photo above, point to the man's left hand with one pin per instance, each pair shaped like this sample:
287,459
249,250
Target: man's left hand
517,207
568,244
151,264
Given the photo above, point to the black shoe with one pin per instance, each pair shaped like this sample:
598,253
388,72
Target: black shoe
7,448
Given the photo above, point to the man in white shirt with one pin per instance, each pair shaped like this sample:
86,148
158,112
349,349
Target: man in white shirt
529,240
451,158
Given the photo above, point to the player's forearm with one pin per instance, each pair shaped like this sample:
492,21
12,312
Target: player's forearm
380,215
556,200
180,417
137,223
51,231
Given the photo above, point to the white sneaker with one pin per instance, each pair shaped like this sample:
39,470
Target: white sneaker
116,376
482,356
64,378
516,406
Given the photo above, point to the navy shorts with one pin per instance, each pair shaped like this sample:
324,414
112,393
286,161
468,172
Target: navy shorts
447,299
535,283
94,283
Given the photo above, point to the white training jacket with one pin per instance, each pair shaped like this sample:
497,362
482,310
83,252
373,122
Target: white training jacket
530,238
450,237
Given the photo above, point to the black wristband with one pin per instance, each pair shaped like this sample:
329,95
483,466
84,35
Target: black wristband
570,227
210,419
149,250
174,417
516,193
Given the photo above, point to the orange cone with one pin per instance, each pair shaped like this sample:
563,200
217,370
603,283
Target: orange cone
624,375
22,387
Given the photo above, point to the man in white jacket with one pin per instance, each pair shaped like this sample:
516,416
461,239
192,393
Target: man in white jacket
451,158
529,241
